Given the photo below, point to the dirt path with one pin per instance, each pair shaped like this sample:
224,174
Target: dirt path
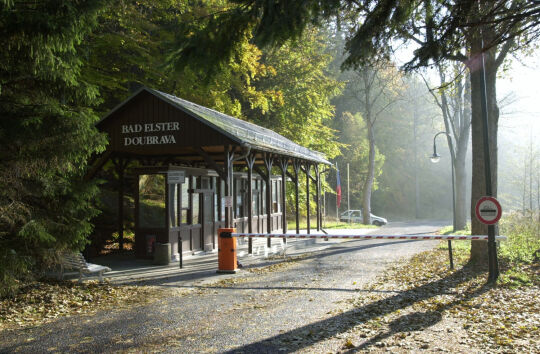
269,309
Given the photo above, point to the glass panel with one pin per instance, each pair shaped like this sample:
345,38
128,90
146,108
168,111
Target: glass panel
195,210
280,196
216,214
185,195
263,197
239,198
255,203
184,216
274,197
207,205
173,205
152,201
222,189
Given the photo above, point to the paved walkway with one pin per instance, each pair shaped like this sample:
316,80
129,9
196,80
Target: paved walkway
203,266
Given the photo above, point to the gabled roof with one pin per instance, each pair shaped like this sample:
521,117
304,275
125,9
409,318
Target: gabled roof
243,132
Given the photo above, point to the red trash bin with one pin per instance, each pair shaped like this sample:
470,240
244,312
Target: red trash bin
227,260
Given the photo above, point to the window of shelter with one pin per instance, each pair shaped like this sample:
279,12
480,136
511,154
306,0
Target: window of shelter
152,201
195,198
256,196
184,204
173,205
274,196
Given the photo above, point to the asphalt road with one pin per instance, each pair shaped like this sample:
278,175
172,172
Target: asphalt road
282,308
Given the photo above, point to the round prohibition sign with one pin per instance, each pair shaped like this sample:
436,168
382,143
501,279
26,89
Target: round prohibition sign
488,210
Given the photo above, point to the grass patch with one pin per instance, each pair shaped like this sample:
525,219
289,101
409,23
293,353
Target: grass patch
346,225
523,243
291,225
460,246
448,230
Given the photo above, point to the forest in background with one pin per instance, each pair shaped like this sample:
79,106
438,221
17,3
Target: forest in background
66,64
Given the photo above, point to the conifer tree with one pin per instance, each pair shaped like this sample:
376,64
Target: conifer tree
46,133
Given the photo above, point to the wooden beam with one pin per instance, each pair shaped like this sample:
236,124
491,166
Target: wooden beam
260,172
268,161
318,195
293,178
284,164
120,166
250,160
208,159
228,185
313,179
308,212
296,169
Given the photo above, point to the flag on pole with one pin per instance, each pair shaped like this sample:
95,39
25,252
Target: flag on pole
338,188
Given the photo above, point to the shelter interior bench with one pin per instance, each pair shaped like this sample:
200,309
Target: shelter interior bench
76,261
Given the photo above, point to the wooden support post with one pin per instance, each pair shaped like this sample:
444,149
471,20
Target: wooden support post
283,164
296,168
120,165
228,185
268,161
318,195
308,212
250,160
138,251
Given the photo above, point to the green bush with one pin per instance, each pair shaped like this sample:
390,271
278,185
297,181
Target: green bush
523,233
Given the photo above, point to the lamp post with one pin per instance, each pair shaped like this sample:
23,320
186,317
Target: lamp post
435,158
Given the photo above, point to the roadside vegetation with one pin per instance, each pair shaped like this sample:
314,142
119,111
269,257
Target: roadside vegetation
520,250
346,225
329,224
421,304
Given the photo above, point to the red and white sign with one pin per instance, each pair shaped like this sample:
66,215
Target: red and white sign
488,210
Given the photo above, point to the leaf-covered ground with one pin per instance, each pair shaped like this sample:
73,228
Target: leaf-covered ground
43,301
423,305
417,305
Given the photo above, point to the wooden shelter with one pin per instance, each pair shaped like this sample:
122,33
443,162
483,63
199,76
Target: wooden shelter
205,160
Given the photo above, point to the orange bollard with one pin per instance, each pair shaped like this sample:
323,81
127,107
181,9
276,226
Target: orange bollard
227,262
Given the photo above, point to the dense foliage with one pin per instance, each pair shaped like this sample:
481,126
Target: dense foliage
46,132
62,61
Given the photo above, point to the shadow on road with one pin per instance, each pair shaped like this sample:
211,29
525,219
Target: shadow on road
316,332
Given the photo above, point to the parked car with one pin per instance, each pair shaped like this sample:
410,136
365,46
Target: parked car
356,216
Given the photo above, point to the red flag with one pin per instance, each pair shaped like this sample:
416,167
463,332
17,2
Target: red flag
338,190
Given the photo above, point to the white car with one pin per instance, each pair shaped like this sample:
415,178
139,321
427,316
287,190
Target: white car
356,216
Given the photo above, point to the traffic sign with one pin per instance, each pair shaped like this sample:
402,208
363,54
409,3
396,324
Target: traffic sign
488,210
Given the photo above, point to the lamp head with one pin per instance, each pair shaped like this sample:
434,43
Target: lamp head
435,157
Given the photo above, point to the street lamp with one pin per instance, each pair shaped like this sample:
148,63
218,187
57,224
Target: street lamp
436,158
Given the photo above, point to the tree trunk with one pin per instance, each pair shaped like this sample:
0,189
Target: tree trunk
479,248
368,184
461,193
462,145
461,175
